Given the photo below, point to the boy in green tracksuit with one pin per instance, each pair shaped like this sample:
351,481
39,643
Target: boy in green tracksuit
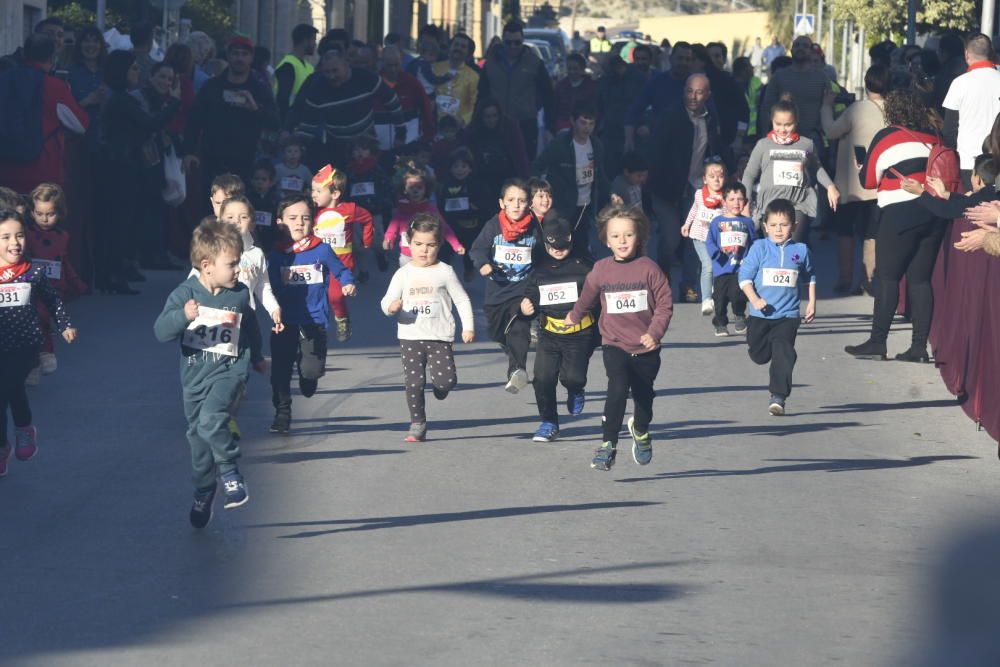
211,315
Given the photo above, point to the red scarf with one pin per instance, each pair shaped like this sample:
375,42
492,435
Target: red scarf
12,271
363,166
982,64
512,230
710,199
302,245
792,138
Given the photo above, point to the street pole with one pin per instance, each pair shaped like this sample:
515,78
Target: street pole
986,24
102,9
911,20
819,23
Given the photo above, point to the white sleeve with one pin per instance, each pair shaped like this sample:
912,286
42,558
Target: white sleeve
956,92
262,290
69,119
395,290
460,298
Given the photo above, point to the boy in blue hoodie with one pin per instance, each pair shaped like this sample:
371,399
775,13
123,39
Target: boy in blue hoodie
300,270
770,276
211,315
729,238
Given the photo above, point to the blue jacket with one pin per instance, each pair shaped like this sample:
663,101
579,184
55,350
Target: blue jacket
727,258
776,271
303,301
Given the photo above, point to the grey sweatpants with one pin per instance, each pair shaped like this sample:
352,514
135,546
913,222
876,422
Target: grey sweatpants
213,449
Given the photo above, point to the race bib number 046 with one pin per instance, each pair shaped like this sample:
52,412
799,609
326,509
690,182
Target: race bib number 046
215,330
618,303
302,274
15,294
559,293
780,277
423,307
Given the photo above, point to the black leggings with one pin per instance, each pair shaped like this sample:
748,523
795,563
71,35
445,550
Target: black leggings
560,357
629,371
16,366
773,342
303,345
909,252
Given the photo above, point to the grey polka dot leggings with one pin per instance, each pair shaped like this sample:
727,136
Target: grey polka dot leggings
423,360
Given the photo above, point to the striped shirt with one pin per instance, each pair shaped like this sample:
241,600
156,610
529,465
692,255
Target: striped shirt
904,151
322,112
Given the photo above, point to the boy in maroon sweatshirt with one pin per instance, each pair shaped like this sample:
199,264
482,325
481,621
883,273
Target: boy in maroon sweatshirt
636,306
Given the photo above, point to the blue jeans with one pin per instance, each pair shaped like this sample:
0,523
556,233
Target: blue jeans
691,268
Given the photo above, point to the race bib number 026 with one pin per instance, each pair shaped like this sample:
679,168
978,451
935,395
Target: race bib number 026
618,303
15,294
559,293
214,330
780,277
302,274
506,254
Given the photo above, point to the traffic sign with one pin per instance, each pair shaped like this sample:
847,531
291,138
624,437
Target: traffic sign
805,24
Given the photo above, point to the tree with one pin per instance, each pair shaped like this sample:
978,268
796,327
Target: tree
886,17
212,16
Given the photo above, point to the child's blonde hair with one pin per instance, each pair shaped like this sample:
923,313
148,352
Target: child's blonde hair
50,193
211,238
635,214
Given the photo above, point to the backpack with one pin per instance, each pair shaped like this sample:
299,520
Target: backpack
21,137
941,163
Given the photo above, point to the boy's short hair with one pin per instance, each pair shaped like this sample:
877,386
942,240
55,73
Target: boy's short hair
576,58
230,185
366,142
448,122
634,161
211,239
513,183
538,184
780,207
265,165
633,213
9,200
424,222
714,161
239,200
292,140
733,186
985,168
584,109
461,154
50,192
292,201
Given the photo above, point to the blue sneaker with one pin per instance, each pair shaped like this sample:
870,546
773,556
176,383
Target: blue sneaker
604,457
547,432
234,489
642,444
777,406
575,402
201,510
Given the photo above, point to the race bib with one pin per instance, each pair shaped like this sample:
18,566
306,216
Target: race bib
456,204
262,219
448,104
291,184
15,294
404,240
422,307
335,237
553,295
509,254
214,330
733,239
585,174
618,303
788,173
362,189
302,274
780,277
706,215
52,268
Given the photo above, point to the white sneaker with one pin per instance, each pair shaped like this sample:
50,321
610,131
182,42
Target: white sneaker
48,363
707,307
518,381
34,377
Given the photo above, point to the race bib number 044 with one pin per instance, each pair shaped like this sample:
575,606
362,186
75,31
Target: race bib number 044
780,277
214,330
15,294
618,303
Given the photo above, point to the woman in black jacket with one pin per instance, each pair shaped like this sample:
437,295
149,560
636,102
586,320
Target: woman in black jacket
497,147
123,127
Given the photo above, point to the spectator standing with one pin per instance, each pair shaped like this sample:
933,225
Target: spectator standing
972,104
575,88
417,122
774,50
620,85
294,68
86,71
498,152
663,92
728,98
456,84
807,86
951,56
578,44
142,44
756,56
181,60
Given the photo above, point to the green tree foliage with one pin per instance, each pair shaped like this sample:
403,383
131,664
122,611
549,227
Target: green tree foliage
886,17
212,16
781,14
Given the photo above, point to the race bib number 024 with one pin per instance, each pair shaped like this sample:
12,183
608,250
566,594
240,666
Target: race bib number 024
15,294
214,330
780,277
618,303
559,293
302,274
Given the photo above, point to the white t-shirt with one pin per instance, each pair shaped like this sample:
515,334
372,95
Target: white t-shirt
975,96
584,171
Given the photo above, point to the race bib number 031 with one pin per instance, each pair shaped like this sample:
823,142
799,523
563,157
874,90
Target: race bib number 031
559,293
52,268
15,294
214,330
302,274
780,277
618,303
506,254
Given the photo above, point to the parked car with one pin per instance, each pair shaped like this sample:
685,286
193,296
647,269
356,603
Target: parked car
558,43
545,53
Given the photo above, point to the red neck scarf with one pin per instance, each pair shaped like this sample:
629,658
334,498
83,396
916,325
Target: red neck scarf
512,230
363,166
12,271
711,199
982,64
303,244
791,139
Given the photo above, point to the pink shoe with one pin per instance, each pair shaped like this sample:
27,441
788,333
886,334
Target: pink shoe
4,455
26,446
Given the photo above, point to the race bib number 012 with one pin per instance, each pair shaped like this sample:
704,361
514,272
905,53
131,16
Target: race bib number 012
780,277
618,303
15,294
559,293
52,268
507,254
214,330
302,274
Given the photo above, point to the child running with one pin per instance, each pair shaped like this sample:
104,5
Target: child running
636,306
502,253
730,235
458,198
707,205
769,276
225,186
420,295
264,198
414,184
562,353
219,339
335,220
22,284
300,270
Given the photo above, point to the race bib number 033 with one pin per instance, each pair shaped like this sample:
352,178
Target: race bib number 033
15,294
618,303
559,293
214,330
302,274
780,277
506,254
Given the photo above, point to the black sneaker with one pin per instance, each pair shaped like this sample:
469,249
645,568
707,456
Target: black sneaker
740,325
201,510
307,387
721,331
281,423
234,490
604,457
441,394
867,350
362,277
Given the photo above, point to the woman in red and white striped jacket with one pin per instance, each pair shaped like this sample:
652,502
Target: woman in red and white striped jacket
909,236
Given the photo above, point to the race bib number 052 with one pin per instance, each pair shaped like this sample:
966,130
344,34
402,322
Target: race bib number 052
214,330
617,303
559,293
780,277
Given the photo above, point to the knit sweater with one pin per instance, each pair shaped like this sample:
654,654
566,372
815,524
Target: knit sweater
729,239
428,293
19,327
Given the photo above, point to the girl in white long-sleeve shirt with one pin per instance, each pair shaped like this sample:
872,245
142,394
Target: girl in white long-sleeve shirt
421,295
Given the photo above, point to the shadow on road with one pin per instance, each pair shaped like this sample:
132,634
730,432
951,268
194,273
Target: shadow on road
299,457
881,407
783,429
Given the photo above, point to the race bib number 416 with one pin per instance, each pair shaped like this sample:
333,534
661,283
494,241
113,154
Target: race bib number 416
214,330
15,294
617,303
780,277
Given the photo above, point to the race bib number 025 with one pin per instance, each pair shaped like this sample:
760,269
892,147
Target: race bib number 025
15,294
559,293
214,330
302,274
780,277
618,303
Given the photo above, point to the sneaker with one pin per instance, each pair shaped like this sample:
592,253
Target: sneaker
575,402
343,328
34,377
721,331
281,423
47,362
642,444
777,406
740,325
690,295
547,432
604,457
234,489
441,394
417,433
707,307
307,387
25,442
234,428
201,509
518,381
4,457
